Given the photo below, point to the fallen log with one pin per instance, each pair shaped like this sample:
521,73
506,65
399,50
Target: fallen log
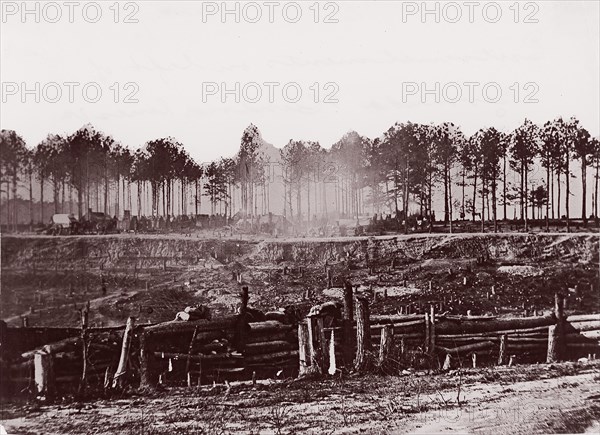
70,343
201,357
466,348
494,326
268,326
460,318
584,345
529,347
173,326
286,336
393,318
577,337
270,357
583,318
590,334
583,326
268,347
524,332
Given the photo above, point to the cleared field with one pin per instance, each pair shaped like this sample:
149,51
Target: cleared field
47,279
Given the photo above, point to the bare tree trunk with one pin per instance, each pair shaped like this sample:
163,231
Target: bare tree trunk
14,195
526,191
473,209
568,192
558,216
596,193
504,187
42,200
547,197
31,200
584,190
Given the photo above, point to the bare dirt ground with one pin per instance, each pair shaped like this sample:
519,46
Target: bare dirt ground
152,277
558,398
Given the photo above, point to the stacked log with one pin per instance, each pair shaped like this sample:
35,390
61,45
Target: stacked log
494,337
65,357
208,351
582,335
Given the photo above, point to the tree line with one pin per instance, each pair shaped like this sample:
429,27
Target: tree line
410,169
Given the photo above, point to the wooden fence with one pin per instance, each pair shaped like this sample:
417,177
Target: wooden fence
390,343
51,361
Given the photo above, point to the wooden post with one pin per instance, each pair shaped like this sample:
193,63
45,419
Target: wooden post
559,312
348,301
385,348
303,349
43,373
474,359
502,350
147,378
427,339
107,378
362,361
84,324
323,350
240,341
332,359
402,346
118,380
552,355
432,330
347,325
190,349
446,366
313,350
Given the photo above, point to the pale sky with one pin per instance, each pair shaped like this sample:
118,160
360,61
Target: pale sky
369,53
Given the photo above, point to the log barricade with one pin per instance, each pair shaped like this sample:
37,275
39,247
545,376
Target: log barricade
171,352
199,352
480,339
206,351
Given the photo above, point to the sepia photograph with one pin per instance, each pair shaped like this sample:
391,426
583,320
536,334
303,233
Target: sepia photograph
299,217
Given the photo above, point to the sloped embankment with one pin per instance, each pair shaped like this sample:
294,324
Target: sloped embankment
502,247
148,252
118,252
